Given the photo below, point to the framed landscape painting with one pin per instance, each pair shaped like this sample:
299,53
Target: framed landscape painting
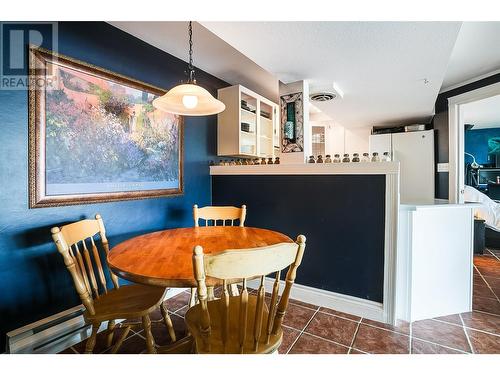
94,136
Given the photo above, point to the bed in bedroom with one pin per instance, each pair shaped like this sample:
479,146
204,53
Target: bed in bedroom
489,212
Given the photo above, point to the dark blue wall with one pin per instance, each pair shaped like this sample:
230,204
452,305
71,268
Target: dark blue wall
476,143
342,217
34,281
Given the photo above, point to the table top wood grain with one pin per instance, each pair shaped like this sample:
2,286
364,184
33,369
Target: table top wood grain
164,258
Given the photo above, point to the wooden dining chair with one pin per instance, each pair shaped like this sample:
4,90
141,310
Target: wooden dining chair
242,324
219,215
73,241
214,216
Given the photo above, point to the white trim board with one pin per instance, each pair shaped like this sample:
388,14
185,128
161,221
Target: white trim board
456,137
466,82
324,298
308,169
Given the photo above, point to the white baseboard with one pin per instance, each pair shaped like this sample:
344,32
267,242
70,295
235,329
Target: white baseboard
340,302
35,338
49,335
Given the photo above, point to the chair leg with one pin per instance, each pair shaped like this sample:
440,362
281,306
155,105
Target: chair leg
211,294
168,322
89,347
150,341
122,338
192,300
110,332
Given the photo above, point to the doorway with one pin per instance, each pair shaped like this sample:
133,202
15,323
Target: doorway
475,177
457,111
482,146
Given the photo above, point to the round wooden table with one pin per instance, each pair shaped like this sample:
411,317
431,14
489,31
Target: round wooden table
164,258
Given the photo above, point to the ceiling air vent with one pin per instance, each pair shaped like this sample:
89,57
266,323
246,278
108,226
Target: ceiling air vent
322,96
325,92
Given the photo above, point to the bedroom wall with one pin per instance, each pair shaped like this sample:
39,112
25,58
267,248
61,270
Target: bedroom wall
476,143
35,283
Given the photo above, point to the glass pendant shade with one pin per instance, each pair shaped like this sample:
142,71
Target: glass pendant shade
189,100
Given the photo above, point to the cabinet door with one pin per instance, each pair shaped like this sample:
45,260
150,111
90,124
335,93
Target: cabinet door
276,130
266,133
248,124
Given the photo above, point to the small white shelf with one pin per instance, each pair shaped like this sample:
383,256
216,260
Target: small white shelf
247,112
231,140
387,168
249,134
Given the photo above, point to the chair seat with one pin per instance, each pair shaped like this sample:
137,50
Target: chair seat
216,311
128,301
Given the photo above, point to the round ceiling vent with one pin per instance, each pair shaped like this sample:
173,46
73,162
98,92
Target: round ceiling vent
322,96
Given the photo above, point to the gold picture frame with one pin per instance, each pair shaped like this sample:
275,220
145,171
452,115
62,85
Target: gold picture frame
47,191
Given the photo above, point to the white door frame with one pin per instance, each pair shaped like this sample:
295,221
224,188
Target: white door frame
456,137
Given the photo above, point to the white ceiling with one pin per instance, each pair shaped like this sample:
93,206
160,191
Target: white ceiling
210,53
380,66
476,53
483,113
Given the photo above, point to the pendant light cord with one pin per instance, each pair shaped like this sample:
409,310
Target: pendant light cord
190,65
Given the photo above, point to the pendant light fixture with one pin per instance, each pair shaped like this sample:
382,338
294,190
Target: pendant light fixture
189,99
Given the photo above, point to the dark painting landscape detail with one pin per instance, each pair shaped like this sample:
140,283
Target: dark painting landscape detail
101,137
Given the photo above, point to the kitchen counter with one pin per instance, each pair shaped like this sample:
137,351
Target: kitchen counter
435,203
366,253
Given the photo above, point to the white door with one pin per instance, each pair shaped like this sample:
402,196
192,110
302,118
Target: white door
380,143
415,153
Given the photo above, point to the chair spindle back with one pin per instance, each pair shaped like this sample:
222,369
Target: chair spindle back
248,264
73,242
222,215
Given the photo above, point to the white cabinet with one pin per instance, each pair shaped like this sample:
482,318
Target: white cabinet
249,125
434,260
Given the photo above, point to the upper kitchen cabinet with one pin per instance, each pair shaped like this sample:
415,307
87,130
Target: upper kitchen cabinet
249,125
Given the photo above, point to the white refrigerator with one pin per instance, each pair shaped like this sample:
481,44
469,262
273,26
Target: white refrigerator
415,153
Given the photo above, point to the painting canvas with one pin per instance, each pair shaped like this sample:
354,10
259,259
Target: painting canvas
95,136
292,128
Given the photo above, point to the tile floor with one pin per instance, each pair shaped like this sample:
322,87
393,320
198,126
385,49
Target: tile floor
313,329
